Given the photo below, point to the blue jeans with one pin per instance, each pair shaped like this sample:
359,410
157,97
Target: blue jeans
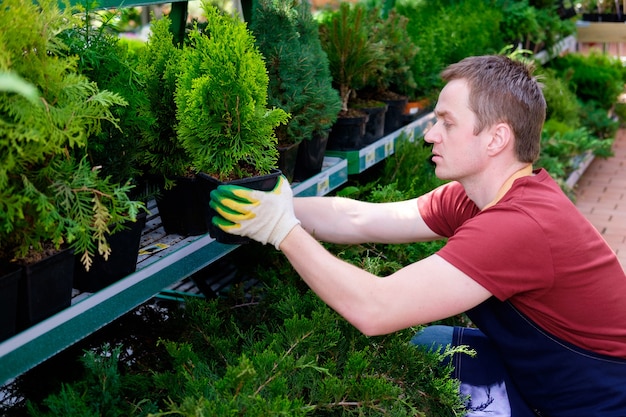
483,378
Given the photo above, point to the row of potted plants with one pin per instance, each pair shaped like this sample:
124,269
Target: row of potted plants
53,199
107,122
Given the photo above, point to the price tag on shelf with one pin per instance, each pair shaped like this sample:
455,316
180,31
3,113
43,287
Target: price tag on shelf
389,148
370,158
323,185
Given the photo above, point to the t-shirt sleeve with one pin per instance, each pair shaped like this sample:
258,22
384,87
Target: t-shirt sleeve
504,250
446,208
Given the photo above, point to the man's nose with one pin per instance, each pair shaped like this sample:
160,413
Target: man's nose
430,133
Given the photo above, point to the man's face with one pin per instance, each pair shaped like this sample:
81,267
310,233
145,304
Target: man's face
457,152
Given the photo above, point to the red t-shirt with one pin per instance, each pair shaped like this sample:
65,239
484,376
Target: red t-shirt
535,249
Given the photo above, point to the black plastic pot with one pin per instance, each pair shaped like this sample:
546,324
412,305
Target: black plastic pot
375,126
9,285
209,183
393,116
121,262
311,156
287,159
182,208
45,288
347,133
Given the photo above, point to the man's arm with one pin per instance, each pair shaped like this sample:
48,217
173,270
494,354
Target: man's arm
426,291
344,220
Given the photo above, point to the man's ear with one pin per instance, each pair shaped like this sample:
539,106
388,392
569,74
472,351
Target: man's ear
501,138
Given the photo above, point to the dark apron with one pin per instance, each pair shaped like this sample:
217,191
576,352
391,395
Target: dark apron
551,378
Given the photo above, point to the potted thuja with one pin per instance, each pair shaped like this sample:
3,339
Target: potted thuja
299,82
54,204
108,60
165,160
224,122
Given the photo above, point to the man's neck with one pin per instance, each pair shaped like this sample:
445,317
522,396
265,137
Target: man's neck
487,192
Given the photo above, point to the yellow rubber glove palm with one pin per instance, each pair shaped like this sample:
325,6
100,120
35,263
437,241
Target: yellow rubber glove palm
264,216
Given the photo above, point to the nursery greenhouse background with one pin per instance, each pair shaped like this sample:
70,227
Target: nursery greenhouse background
199,323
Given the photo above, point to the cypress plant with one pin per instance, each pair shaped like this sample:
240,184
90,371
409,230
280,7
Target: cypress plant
224,121
163,153
107,60
299,76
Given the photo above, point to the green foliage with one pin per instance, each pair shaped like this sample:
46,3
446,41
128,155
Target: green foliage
99,394
390,32
411,168
598,121
164,154
593,77
578,122
221,97
471,28
109,62
429,37
562,103
49,194
299,77
445,32
562,148
353,55
533,26
520,24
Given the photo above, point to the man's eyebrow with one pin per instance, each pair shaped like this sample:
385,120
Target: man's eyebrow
442,113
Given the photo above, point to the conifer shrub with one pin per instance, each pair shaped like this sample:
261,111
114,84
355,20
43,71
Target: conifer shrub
224,122
163,154
49,193
299,77
110,62
353,54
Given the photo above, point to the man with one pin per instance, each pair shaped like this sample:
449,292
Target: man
546,292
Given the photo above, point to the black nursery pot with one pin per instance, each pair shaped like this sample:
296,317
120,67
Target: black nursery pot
182,208
209,183
121,262
375,126
393,116
287,159
9,284
45,288
347,133
311,156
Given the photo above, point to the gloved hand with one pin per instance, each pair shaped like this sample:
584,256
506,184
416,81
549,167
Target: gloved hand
264,216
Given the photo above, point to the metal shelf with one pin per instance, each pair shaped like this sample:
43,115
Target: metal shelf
334,173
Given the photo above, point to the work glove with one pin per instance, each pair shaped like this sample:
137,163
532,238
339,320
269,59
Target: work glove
264,216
